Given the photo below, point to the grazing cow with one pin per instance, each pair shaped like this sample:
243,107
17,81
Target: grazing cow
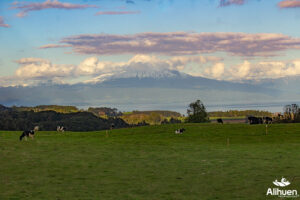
220,121
60,129
112,126
27,134
253,120
268,120
260,120
179,131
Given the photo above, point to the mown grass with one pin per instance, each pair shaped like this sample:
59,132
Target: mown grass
151,163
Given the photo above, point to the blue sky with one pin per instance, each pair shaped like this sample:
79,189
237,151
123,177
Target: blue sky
227,47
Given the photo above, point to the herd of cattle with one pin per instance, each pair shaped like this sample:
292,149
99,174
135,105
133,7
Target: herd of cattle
27,134
250,120
254,120
260,120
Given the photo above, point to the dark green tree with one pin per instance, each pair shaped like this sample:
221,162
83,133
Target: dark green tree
197,113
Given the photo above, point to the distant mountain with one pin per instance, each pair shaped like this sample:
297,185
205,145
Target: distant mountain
166,78
184,81
287,84
154,90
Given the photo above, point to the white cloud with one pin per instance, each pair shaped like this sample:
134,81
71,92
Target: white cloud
278,69
216,71
37,70
241,71
253,71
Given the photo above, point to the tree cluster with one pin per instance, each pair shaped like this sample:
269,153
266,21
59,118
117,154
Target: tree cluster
197,113
291,114
105,112
171,121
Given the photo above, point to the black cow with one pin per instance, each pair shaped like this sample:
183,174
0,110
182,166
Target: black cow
220,121
255,120
112,126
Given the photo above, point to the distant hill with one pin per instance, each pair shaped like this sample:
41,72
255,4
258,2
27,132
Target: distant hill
151,117
164,113
56,108
242,113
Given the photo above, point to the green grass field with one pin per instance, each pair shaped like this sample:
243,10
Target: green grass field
151,163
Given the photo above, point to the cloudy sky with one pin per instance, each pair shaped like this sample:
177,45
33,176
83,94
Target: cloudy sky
67,41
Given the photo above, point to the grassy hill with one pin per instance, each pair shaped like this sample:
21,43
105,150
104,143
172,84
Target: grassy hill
151,162
239,113
56,108
152,117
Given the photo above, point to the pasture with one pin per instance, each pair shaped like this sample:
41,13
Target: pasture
208,161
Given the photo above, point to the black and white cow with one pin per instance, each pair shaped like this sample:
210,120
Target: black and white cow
60,129
220,121
179,131
268,120
27,134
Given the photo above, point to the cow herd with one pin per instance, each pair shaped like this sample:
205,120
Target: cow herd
250,120
253,120
259,120
30,133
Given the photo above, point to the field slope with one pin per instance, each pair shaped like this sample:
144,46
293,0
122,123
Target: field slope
209,161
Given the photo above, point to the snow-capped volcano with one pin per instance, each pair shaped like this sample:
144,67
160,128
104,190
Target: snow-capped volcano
154,74
140,66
